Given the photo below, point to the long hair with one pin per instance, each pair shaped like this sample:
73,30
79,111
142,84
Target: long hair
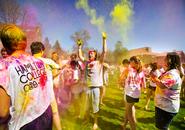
173,62
153,66
13,38
136,60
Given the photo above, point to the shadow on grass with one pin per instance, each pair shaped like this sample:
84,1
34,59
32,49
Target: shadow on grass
182,105
178,124
112,123
146,120
118,104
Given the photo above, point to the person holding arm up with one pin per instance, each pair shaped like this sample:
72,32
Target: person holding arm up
94,77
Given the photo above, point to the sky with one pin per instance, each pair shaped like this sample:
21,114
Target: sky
159,24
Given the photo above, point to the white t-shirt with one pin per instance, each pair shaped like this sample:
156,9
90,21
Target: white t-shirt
94,74
157,73
25,80
49,63
168,99
134,83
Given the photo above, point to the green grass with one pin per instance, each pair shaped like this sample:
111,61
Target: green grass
112,114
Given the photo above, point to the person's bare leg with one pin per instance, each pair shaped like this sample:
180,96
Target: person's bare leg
126,117
131,116
149,93
102,94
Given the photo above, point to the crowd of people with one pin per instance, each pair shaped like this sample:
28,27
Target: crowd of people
164,84
35,89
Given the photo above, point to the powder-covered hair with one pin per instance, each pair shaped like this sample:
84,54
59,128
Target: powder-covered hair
13,38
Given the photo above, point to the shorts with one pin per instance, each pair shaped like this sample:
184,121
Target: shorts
152,88
163,118
94,98
131,99
43,122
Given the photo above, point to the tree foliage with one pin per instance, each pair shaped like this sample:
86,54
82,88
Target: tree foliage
47,46
10,11
29,16
120,52
83,35
57,48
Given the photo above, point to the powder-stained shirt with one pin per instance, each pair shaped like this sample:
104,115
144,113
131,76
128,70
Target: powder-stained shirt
168,99
49,63
25,80
94,73
134,82
69,76
157,73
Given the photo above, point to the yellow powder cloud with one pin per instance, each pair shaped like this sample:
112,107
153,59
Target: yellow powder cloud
97,21
121,17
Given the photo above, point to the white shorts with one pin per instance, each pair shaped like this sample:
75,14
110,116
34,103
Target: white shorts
94,98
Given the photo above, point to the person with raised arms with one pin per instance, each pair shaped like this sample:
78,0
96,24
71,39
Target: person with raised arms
94,77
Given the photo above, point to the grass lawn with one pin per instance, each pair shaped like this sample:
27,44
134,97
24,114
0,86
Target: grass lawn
112,113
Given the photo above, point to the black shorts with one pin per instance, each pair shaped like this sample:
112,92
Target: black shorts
131,99
163,118
152,88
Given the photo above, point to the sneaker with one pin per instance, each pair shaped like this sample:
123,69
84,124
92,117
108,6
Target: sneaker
146,108
95,126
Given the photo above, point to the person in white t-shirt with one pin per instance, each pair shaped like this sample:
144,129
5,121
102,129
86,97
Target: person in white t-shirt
134,82
94,77
167,94
37,50
152,86
25,88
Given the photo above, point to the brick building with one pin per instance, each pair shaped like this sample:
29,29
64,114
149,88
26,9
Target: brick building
147,56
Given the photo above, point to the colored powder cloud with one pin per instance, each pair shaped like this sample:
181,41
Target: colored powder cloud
121,17
97,21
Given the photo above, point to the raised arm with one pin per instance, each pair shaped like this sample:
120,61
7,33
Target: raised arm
104,50
80,53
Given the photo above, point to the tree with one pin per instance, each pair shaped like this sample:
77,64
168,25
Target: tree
10,11
47,46
57,48
120,52
29,16
109,58
83,35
